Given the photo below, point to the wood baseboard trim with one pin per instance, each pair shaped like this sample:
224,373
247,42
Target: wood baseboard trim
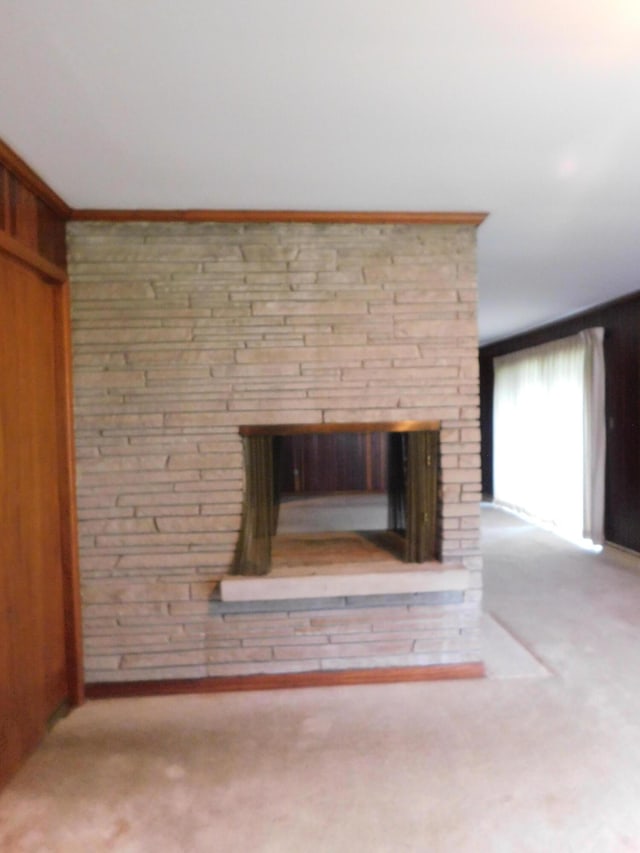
283,681
365,217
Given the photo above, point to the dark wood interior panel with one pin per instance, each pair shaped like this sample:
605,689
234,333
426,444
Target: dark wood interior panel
336,462
31,222
51,235
486,423
11,218
25,217
30,211
621,322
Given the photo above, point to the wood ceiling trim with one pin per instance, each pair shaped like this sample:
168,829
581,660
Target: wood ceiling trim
362,217
30,179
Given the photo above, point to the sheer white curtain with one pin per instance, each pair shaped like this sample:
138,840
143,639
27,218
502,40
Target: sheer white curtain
549,433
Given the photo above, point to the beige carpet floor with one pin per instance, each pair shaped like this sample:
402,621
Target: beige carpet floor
541,757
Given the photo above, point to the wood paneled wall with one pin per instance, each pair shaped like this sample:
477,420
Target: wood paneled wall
40,658
338,462
621,322
30,211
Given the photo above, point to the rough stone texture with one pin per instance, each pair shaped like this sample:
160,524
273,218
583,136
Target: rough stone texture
183,332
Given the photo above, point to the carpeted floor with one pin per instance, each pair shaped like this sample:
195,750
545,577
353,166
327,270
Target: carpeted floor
541,757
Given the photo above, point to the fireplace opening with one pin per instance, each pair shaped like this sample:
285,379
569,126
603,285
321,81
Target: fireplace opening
332,482
329,494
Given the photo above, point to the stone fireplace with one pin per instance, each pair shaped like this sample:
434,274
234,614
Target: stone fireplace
189,338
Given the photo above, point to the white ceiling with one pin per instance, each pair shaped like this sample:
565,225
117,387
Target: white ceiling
528,109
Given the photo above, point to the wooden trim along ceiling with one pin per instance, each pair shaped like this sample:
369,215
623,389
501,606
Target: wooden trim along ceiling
392,675
12,161
363,217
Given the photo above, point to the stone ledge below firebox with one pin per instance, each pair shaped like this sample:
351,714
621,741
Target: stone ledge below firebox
381,579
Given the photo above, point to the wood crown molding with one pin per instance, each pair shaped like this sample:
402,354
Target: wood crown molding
362,217
284,681
32,181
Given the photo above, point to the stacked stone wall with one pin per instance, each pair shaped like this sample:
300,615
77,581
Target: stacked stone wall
184,332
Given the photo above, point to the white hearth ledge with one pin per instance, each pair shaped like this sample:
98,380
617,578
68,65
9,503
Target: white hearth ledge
276,588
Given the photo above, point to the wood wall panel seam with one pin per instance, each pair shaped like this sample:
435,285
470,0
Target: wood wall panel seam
18,250
67,480
5,204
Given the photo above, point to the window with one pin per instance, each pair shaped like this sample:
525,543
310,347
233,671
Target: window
549,434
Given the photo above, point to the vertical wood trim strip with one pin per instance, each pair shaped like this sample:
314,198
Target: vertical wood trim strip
11,220
4,199
67,485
